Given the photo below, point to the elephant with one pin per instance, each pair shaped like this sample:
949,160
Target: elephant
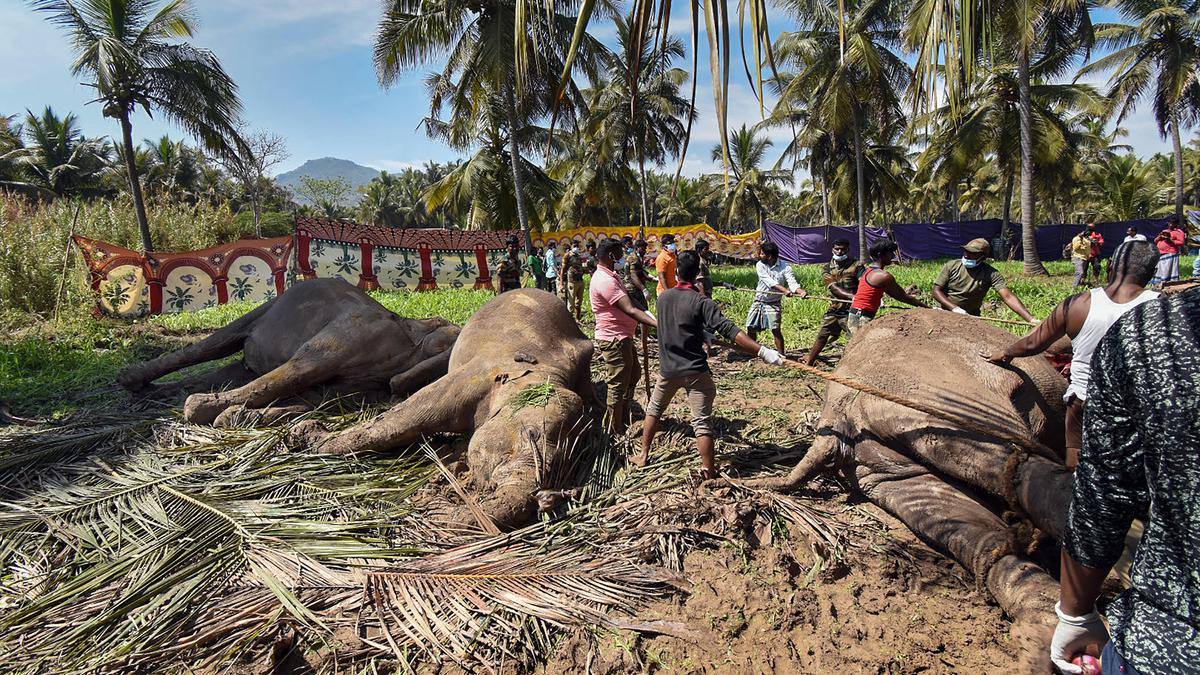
321,337
519,382
948,481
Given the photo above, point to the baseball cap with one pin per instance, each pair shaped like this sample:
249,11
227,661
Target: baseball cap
977,246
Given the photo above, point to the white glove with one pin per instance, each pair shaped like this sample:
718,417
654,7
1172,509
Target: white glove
958,310
770,356
1073,635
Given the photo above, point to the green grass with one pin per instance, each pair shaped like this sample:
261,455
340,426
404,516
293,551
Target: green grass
41,362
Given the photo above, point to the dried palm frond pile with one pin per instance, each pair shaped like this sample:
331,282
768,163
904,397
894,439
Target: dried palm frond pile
133,542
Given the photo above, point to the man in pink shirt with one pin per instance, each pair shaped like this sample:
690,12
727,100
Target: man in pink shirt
1170,244
616,321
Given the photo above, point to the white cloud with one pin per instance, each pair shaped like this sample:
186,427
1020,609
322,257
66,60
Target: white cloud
348,23
392,165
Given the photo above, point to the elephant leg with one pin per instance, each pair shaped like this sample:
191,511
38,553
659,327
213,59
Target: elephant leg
821,455
231,375
240,416
225,342
423,373
447,406
950,519
316,361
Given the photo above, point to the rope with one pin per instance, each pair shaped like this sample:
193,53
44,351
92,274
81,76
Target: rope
892,307
965,423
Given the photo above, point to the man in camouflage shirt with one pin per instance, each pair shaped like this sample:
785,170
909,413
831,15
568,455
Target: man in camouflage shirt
633,271
841,278
509,269
1141,454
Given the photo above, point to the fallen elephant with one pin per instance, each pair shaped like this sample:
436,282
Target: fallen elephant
948,483
322,337
519,380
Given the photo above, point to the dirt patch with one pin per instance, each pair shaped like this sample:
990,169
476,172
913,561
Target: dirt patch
761,602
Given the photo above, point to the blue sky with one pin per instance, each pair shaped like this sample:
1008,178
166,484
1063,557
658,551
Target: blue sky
304,70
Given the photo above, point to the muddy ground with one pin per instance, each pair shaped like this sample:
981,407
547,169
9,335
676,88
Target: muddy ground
883,603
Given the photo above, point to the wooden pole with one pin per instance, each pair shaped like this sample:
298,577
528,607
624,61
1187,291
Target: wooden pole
62,282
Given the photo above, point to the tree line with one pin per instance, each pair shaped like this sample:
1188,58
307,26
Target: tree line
926,110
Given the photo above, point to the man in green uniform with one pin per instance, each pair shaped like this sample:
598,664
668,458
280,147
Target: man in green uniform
509,269
841,275
962,284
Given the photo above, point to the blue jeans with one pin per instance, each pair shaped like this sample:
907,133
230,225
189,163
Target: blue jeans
1112,663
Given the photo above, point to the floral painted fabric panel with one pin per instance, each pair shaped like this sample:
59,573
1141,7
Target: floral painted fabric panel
396,268
336,260
124,292
187,289
250,280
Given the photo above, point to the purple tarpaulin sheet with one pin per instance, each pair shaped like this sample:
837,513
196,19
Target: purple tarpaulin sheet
807,245
929,241
1051,239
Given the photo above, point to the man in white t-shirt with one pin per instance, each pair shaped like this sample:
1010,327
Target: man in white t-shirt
1132,235
1085,318
776,280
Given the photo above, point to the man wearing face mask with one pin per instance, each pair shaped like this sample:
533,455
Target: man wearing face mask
841,278
617,318
665,263
962,284
633,271
572,269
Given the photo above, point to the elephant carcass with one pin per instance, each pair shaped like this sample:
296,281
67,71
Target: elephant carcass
323,336
520,340
948,483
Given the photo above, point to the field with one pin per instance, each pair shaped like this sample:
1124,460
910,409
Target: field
817,582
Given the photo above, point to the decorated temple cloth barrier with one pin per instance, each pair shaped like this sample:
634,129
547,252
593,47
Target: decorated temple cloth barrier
128,283
376,256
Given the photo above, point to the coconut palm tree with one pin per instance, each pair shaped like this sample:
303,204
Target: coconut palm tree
485,65
638,105
847,78
125,49
49,157
952,39
1156,57
749,182
174,168
1125,188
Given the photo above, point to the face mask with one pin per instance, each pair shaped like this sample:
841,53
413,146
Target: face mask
672,247
969,263
620,264
574,249
840,258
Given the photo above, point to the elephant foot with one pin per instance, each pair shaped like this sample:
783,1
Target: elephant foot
204,408
308,434
132,379
239,415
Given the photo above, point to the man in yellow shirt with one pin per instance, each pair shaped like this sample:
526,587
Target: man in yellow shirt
665,263
1081,253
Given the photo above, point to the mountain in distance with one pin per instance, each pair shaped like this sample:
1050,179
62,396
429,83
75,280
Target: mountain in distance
328,167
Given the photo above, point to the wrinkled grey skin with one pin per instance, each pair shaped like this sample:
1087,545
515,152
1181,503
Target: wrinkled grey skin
950,485
323,337
520,339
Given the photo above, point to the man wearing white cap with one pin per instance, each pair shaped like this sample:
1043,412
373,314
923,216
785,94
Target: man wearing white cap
962,284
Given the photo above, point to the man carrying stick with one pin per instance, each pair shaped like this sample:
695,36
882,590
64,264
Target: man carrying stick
617,318
685,315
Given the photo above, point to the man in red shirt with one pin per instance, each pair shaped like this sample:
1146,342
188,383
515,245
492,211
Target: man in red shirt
616,321
1093,263
1170,244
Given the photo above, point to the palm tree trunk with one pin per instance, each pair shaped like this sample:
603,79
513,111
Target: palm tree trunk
1006,218
135,185
1178,169
1033,264
825,205
257,199
514,155
642,178
862,206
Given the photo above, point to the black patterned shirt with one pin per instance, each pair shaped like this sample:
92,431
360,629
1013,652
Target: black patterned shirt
1141,453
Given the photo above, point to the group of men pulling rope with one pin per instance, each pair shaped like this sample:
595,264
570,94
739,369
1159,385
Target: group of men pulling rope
1137,382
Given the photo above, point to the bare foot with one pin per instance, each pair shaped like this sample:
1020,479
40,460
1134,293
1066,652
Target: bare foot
639,459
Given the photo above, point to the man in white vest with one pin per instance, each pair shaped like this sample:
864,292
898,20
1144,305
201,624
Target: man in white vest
1085,318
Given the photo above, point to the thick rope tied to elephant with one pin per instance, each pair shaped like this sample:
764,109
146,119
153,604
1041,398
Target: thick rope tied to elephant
1023,535
966,423
825,298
